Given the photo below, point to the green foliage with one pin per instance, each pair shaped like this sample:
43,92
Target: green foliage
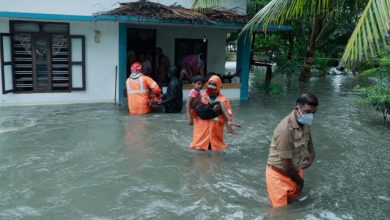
370,33
257,84
275,46
377,94
253,6
322,62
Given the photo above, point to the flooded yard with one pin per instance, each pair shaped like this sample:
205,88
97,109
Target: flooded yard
94,161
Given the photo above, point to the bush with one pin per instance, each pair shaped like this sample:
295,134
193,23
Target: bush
376,95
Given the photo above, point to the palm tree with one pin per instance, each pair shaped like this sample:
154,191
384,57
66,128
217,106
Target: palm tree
370,34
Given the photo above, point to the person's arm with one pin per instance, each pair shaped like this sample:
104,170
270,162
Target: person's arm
166,99
285,142
290,170
226,110
308,161
170,95
153,86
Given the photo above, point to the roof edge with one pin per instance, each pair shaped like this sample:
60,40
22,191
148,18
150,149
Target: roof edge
133,19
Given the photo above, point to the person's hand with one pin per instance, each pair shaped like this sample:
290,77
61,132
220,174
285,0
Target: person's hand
307,161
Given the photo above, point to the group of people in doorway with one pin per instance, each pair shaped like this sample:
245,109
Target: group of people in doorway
191,65
160,64
291,149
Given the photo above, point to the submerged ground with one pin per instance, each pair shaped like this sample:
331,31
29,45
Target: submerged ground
94,161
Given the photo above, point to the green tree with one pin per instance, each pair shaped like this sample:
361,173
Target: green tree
369,35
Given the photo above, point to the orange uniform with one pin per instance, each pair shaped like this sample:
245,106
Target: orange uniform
210,132
280,187
139,89
289,141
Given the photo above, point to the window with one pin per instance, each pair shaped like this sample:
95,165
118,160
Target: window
42,58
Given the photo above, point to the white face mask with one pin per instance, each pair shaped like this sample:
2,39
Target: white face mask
305,119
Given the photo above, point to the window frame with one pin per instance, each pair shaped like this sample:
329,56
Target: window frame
48,35
82,63
5,63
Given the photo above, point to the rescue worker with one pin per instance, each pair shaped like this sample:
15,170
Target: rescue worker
208,134
287,154
173,99
140,89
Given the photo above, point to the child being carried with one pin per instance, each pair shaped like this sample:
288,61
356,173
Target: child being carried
206,111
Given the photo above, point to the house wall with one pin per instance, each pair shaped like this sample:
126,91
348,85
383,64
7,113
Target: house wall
88,7
101,59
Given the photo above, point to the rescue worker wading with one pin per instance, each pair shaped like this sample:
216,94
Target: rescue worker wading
291,151
140,89
208,134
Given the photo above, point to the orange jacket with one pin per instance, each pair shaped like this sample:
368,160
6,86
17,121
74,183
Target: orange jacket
210,131
139,88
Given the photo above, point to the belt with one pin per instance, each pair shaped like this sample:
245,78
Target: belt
280,171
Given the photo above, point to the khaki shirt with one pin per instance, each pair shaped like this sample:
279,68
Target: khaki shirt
289,141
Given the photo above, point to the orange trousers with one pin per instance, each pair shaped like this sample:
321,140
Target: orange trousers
280,187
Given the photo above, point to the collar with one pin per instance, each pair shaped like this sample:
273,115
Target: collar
293,120
135,75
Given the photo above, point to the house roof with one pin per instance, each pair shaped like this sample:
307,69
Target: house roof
152,10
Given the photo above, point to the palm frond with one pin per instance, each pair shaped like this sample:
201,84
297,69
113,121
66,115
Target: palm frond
205,4
278,12
371,32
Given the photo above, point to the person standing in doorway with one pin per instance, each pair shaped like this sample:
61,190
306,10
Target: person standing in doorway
291,139
192,65
146,64
173,99
141,91
162,67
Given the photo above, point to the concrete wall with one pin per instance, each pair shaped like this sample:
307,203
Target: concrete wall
101,59
88,7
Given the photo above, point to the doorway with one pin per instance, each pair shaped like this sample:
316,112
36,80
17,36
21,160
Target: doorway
140,43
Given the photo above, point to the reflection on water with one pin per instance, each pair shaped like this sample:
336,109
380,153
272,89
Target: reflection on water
96,162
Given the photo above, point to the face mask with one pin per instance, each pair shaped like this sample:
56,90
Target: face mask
211,89
305,119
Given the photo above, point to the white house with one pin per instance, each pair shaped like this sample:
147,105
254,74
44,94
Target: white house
55,51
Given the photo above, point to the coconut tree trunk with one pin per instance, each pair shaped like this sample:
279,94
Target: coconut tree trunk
317,28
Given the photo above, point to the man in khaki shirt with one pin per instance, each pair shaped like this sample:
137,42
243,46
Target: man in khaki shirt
287,153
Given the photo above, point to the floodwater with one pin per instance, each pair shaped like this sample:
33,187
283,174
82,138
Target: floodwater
94,161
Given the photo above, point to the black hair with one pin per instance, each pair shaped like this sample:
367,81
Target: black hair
307,98
198,78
